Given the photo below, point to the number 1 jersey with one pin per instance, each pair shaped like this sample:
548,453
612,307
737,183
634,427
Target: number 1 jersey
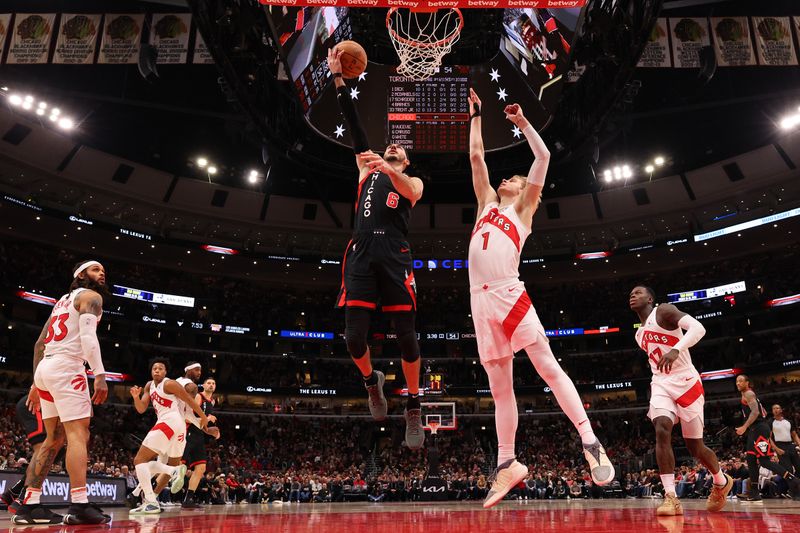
496,244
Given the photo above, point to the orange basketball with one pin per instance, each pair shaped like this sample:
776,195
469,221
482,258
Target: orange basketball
354,59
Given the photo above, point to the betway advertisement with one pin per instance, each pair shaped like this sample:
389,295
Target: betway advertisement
55,489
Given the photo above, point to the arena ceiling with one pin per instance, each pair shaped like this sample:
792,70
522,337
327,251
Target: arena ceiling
190,110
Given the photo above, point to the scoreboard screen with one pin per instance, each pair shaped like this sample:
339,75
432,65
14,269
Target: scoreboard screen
152,297
704,294
430,115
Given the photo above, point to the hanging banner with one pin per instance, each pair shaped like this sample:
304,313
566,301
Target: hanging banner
5,20
77,39
732,42
170,36
201,55
774,41
30,40
656,52
688,35
121,36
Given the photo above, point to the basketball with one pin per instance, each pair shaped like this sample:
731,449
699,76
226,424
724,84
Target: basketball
354,59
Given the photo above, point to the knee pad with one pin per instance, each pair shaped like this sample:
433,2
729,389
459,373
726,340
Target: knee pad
355,331
407,337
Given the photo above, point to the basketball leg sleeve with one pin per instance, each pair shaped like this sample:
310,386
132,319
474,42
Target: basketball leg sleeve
501,383
355,331
407,337
563,388
144,476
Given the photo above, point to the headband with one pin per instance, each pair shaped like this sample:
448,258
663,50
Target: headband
190,367
83,267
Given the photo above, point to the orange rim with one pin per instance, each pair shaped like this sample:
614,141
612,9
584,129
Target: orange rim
411,42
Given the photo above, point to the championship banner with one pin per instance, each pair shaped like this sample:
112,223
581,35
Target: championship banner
121,36
30,39
170,36
77,39
5,20
688,35
425,4
201,55
732,42
656,52
774,41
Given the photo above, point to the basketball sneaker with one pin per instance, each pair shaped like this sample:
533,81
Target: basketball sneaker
378,406
505,478
147,508
671,506
719,495
85,513
35,514
601,468
415,433
177,479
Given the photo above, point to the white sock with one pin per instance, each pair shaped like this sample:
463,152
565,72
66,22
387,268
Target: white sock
157,467
501,383
587,434
143,473
79,495
719,478
668,480
31,496
137,490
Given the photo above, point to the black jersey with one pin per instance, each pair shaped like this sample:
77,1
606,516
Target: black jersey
761,411
380,208
208,407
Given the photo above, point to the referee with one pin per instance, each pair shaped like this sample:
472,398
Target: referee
785,440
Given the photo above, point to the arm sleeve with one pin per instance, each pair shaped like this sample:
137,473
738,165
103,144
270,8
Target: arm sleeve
538,171
87,324
352,119
694,331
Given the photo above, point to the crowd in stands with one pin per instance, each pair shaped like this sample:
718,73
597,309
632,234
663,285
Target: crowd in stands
268,458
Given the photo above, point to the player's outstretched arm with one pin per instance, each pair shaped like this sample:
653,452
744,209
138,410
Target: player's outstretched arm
484,192
141,397
351,117
529,200
90,306
175,388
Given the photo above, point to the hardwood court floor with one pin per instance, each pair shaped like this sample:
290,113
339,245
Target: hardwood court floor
585,516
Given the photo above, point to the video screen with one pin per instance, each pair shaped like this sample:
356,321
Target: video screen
538,42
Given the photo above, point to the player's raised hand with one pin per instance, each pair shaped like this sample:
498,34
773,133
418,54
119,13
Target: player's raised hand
335,60
474,103
136,391
514,114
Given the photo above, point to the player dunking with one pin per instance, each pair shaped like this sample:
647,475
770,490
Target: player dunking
60,389
505,320
757,443
378,262
676,394
167,437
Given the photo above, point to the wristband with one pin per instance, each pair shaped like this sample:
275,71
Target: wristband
337,75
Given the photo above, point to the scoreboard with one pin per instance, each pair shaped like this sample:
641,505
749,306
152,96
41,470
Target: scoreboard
430,115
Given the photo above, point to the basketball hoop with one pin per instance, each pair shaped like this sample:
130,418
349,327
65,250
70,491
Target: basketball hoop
434,426
421,39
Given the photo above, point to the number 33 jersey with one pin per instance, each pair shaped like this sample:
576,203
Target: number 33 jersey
63,337
495,246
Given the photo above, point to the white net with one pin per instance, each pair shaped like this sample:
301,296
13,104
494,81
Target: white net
422,39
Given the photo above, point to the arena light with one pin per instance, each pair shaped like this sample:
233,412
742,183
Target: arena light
66,123
626,172
27,104
607,176
15,100
202,162
212,170
55,111
40,111
42,105
659,161
649,169
617,173
252,177
790,122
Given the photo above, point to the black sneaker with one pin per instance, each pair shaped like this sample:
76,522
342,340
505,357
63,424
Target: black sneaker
131,500
754,498
191,505
7,497
35,514
85,513
15,505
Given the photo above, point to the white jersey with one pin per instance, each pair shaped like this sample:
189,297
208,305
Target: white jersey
656,341
63,338
188,413
165,404
495,246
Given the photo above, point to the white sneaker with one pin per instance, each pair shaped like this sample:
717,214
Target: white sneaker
506,478
228,503
146,508
599,464
177,479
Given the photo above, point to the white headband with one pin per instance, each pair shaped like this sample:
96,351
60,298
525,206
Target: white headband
83,267
195,365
